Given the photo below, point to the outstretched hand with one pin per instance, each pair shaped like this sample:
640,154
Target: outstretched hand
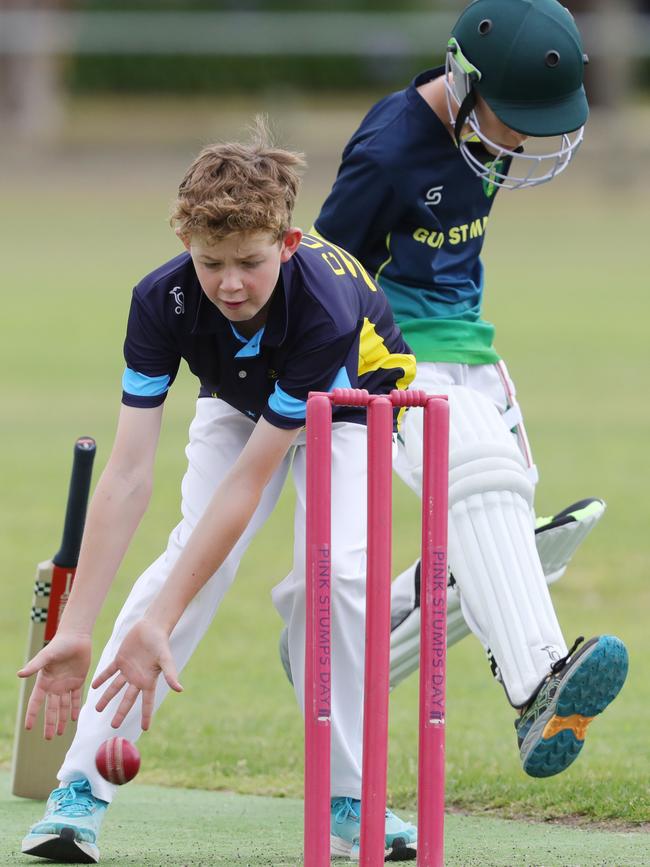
142,657
61,668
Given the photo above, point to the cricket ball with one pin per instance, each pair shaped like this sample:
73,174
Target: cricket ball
118,760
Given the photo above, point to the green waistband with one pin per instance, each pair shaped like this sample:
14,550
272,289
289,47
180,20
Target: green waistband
450,340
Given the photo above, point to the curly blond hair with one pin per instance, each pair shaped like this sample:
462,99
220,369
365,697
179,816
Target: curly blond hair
235,187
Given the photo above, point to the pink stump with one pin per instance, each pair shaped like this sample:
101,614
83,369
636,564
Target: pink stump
377,658
317,640
433,635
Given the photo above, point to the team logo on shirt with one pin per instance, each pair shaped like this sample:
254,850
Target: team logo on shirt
433,197
495,168
179,298
455,235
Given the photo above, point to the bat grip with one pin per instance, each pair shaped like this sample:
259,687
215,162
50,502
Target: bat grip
75,513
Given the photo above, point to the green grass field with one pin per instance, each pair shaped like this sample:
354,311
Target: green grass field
223,829
567,286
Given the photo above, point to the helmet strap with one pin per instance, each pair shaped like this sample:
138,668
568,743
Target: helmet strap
466,107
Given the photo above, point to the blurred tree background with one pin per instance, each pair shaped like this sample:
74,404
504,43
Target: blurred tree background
195,47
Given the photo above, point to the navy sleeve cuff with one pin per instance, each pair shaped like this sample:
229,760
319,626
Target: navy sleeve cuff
281,421
143,402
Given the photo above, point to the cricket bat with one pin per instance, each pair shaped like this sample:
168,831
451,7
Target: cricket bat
35,760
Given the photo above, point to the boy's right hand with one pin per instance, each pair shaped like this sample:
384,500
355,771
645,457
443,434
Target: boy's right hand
143,655
61,669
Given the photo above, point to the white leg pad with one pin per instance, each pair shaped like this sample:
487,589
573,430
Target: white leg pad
504,596
557,545
492,552
508,608
405,638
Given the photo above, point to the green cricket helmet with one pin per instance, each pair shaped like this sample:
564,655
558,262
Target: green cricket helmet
525,59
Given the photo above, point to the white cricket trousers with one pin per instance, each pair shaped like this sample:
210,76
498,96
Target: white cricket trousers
217,435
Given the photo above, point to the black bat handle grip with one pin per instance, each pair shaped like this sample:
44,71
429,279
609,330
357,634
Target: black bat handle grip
75,513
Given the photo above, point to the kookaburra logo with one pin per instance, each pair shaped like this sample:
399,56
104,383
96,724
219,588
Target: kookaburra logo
179,298
553,652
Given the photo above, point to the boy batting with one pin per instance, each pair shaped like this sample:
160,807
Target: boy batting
262,315
412,202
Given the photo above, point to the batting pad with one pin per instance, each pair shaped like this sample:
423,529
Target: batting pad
492,552
557,542
405,638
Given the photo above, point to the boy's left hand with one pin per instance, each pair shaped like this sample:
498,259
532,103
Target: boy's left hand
143,656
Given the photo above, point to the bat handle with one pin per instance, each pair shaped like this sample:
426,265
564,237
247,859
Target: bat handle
75,513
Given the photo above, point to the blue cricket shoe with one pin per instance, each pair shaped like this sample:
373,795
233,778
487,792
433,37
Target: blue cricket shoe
551,729
401,838
68,832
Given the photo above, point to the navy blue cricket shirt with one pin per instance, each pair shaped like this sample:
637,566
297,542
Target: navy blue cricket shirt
328,326
408,206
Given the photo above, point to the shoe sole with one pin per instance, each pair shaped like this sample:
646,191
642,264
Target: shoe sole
556,738
61,847
399,850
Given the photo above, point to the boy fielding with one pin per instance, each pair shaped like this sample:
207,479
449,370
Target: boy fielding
263,316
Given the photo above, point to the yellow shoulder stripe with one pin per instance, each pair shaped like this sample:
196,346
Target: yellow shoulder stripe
353,265
373,355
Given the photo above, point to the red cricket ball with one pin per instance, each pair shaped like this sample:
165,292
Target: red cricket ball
118,760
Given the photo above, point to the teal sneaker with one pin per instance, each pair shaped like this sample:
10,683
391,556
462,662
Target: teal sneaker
345,836
551,729
68,832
